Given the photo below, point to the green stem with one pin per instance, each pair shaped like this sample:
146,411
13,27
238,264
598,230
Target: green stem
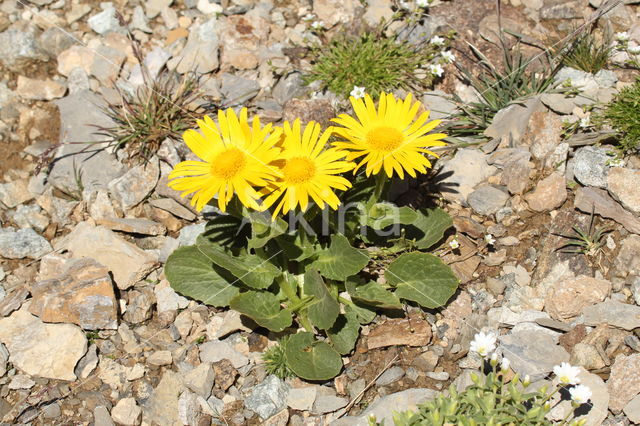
381,180
288,289
304,320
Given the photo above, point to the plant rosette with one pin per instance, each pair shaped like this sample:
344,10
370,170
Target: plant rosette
311,272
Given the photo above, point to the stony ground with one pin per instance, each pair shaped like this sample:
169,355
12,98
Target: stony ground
90,330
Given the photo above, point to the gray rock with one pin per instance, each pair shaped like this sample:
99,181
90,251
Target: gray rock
154,7
440,376
461,174
624,185
101,416
487,199
21,381
135,185
172,206
533,353
22,243
599,201
29,216
590,166
616,314
139,20
79,114
188,408
632,409
217,350
302,399
153,62
19,46
606,78
106,21
392,375
584,81
237,90
635,290
54,41
189,234
200,379
52,411
439,104
4,358
15,193
267,398
289,87
558,102
87,363
328,404
126,412
200,54
140,306
78,81
512,121
8,103
162,405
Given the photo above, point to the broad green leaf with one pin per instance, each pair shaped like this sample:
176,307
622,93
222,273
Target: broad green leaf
297,246
247,268
422,278
324,310
345,332
364,313
264,229
429,227
382,215
374,294
226,231
194,275
340,260
264,308
311,359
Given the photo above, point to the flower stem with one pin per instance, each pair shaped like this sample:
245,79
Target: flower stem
381,180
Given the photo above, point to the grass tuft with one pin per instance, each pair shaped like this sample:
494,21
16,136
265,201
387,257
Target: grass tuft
623,115
275,361
588,53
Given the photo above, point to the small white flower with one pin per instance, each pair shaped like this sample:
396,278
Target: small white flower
423,3
634,50
317,25
489,239
580,394
308,17
405,5
527,380
585,122
436,69
448,56
483,344
505,364
454,244
622,36
437,41
494,359
567,374
357,92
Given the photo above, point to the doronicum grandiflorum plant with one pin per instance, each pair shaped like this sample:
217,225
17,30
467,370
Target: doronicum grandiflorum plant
309,274
499,397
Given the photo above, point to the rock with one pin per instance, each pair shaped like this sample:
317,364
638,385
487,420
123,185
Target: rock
200,54
332,12
190,233
632,409
288,87
624,381
162,405
22,243
106,64
101,416
133,225
140,306
512,122
302,399
412,331
21,381
54,41
218,350
439,104
376,11
598,201
155,7
127,263
126,412
392,375
624,185
515,176
9,103
319,110
43,350
77,81
29,216
582,80
46,90
88,363
237,90
543,133
549,194
590,166
74,58
168,300
557,160
200,379
4,358
587,356
558,102
79,115
19,46
15,193
328,404
106,21
139,20
159,358
82,295
173,207
188,408
13,301
567,298
487,200
532,353
616,314
242,36
268,398
628,259
461,174
135,185
208,8
153,63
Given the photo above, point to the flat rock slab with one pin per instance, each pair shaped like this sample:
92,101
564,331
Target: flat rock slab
399,332
82,295
624,185
42,350
533,353
22,243
598,200
128,263
567,298
133,225
624,381
616,314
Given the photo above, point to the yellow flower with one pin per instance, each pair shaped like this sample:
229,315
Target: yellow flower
307,170
236,158
388,137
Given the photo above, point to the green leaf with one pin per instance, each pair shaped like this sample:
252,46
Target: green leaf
373,294
264,308
340,260
226,231
194,275
422,278
429,227
364,313
311,359
385,214
264,229
345,332
297,246
324,310
247,268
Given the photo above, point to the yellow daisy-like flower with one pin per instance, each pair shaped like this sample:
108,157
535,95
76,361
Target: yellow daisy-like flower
388,137
308,170
236,158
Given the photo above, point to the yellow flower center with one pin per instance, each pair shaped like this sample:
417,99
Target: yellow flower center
228,163
299,170
384,138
